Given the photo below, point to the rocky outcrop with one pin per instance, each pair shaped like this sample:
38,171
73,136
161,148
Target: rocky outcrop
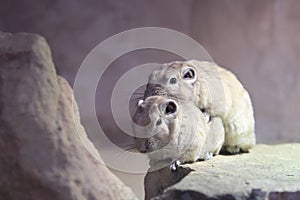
41,154
267,172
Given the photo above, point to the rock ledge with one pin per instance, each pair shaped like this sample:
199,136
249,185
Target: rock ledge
267,172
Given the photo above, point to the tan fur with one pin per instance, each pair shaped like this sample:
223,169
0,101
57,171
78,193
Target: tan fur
186,136
216,91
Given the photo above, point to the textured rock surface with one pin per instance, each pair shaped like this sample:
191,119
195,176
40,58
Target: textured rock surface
267,172
41,154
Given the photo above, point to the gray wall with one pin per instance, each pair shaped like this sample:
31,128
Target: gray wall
257,40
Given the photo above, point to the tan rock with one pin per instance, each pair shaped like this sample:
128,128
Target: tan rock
267,172
41,152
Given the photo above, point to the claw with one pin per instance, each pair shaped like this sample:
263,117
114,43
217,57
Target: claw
208,156
207,117
174,166
233,149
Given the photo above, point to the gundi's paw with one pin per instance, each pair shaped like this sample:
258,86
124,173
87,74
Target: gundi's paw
208,156
233,150
174,166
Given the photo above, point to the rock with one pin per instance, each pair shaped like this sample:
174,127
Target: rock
267,172
41,150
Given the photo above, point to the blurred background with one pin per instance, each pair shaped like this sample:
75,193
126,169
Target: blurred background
257,40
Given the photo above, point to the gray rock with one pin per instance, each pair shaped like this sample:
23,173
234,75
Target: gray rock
41,151
267,172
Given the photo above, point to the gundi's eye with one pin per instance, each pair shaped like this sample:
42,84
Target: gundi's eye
158,122
189,73
170,108
173,80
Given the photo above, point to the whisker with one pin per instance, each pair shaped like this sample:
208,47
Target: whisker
129,147
138,93
120,154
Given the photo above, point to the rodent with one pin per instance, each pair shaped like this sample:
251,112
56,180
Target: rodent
175,133
213,90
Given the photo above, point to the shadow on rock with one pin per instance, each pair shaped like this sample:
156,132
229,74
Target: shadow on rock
155,186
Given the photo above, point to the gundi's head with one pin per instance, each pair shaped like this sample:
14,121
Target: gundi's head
156,123
174,80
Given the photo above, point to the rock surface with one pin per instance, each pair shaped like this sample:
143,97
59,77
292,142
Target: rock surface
267,172
41,151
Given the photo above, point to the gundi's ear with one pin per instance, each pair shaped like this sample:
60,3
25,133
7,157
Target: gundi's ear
141,103
189,74
170,107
